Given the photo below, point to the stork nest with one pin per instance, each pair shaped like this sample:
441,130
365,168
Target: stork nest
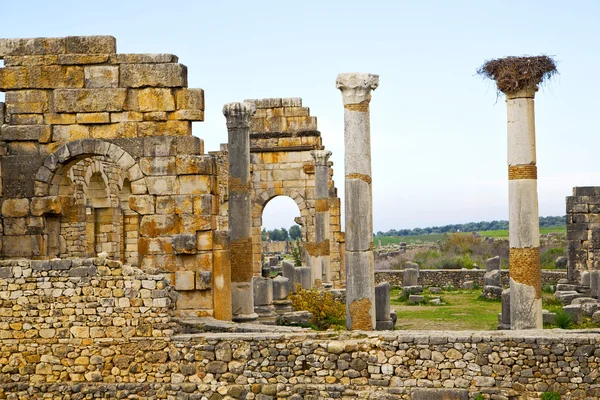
513,74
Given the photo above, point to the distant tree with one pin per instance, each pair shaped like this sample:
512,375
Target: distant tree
295,232
264,234
284,234
276,235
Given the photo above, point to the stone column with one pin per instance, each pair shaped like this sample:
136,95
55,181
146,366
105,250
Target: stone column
318,252
360,275
524,231
238,116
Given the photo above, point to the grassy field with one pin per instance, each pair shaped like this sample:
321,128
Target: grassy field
462,310
434,237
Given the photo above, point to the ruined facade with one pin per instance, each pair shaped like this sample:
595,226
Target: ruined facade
283,134
583,231
98,157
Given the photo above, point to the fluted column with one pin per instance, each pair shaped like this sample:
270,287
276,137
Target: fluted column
238,116
318,252
524,231
360,274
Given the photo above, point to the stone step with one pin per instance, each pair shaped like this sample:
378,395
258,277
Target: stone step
563,287
442,394
209,324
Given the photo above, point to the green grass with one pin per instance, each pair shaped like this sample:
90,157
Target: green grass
434,237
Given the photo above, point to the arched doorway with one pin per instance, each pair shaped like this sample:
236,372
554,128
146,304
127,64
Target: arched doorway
280,228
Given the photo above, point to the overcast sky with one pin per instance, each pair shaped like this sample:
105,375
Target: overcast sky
438,131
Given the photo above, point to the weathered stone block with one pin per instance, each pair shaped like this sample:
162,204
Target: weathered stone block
59,119
26,132
123,130
190,99
93,118
159,245
26,119
151,99
203,280
27,101
162,185
89,100
18,175
194,223
32,46
41,77
45,205
184,243
153,75
195,184
127,116
25,246
142,204
158,166
101,76
195,164
441,394
186,115
15,208
91,44
81,59
65,133
159,225
185,280
145,58
166,128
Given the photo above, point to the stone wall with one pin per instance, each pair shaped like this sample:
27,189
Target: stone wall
279,247
455,277
308,365
97,156
583,230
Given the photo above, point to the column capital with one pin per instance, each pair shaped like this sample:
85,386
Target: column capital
238,115
528,93
321,157
356,87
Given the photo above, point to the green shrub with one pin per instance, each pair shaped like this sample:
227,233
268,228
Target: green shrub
550,396
549,256
297,253
425,257
563,320
479,397
455,262
325,309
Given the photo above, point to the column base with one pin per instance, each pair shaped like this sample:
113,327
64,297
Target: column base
245,317
242,302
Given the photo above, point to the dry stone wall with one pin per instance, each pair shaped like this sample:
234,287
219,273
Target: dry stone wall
308,365
97,156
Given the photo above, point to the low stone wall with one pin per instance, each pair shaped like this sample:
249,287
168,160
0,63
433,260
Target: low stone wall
80,299
455,277
391,365
279,247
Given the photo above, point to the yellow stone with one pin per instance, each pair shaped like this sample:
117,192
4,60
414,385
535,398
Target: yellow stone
153,99
124,130
93,118
59,119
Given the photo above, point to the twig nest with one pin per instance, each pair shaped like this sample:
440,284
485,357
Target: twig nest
513,74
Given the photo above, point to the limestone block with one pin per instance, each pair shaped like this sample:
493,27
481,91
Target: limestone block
151,99
291,102
185,280
203,280
162,185
26,132
281,288
127,116
204,240
64,133
382,301
89,100
305,277
195,184
122,130
45,205
33,46
41,77
24,246
185,244
183,204
410,277
80,59
266,103
574,311
467,285
15,226
18,175
191,223
93,118
157,165
25,119
15,207
91,44
415,298
190,99
2,113
195,164
189,145
159,225
145,58
492,278
159,245
166,128
205,204
186,115
440,394
101,76
153,75
142,204
263,291
59,119
492,264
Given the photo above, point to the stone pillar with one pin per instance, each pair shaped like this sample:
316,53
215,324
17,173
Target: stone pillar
318,252
524,231
238,117
360,274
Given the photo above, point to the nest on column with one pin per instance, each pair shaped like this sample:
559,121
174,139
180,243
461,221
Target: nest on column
513,74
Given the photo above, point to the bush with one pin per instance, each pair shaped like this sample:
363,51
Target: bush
549,256
425,257
325,309
297,253
479,397
455,262
563,320
550,396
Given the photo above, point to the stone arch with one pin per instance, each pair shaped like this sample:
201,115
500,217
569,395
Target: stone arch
50,174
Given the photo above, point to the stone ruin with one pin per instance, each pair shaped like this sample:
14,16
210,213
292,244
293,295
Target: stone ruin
117,234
